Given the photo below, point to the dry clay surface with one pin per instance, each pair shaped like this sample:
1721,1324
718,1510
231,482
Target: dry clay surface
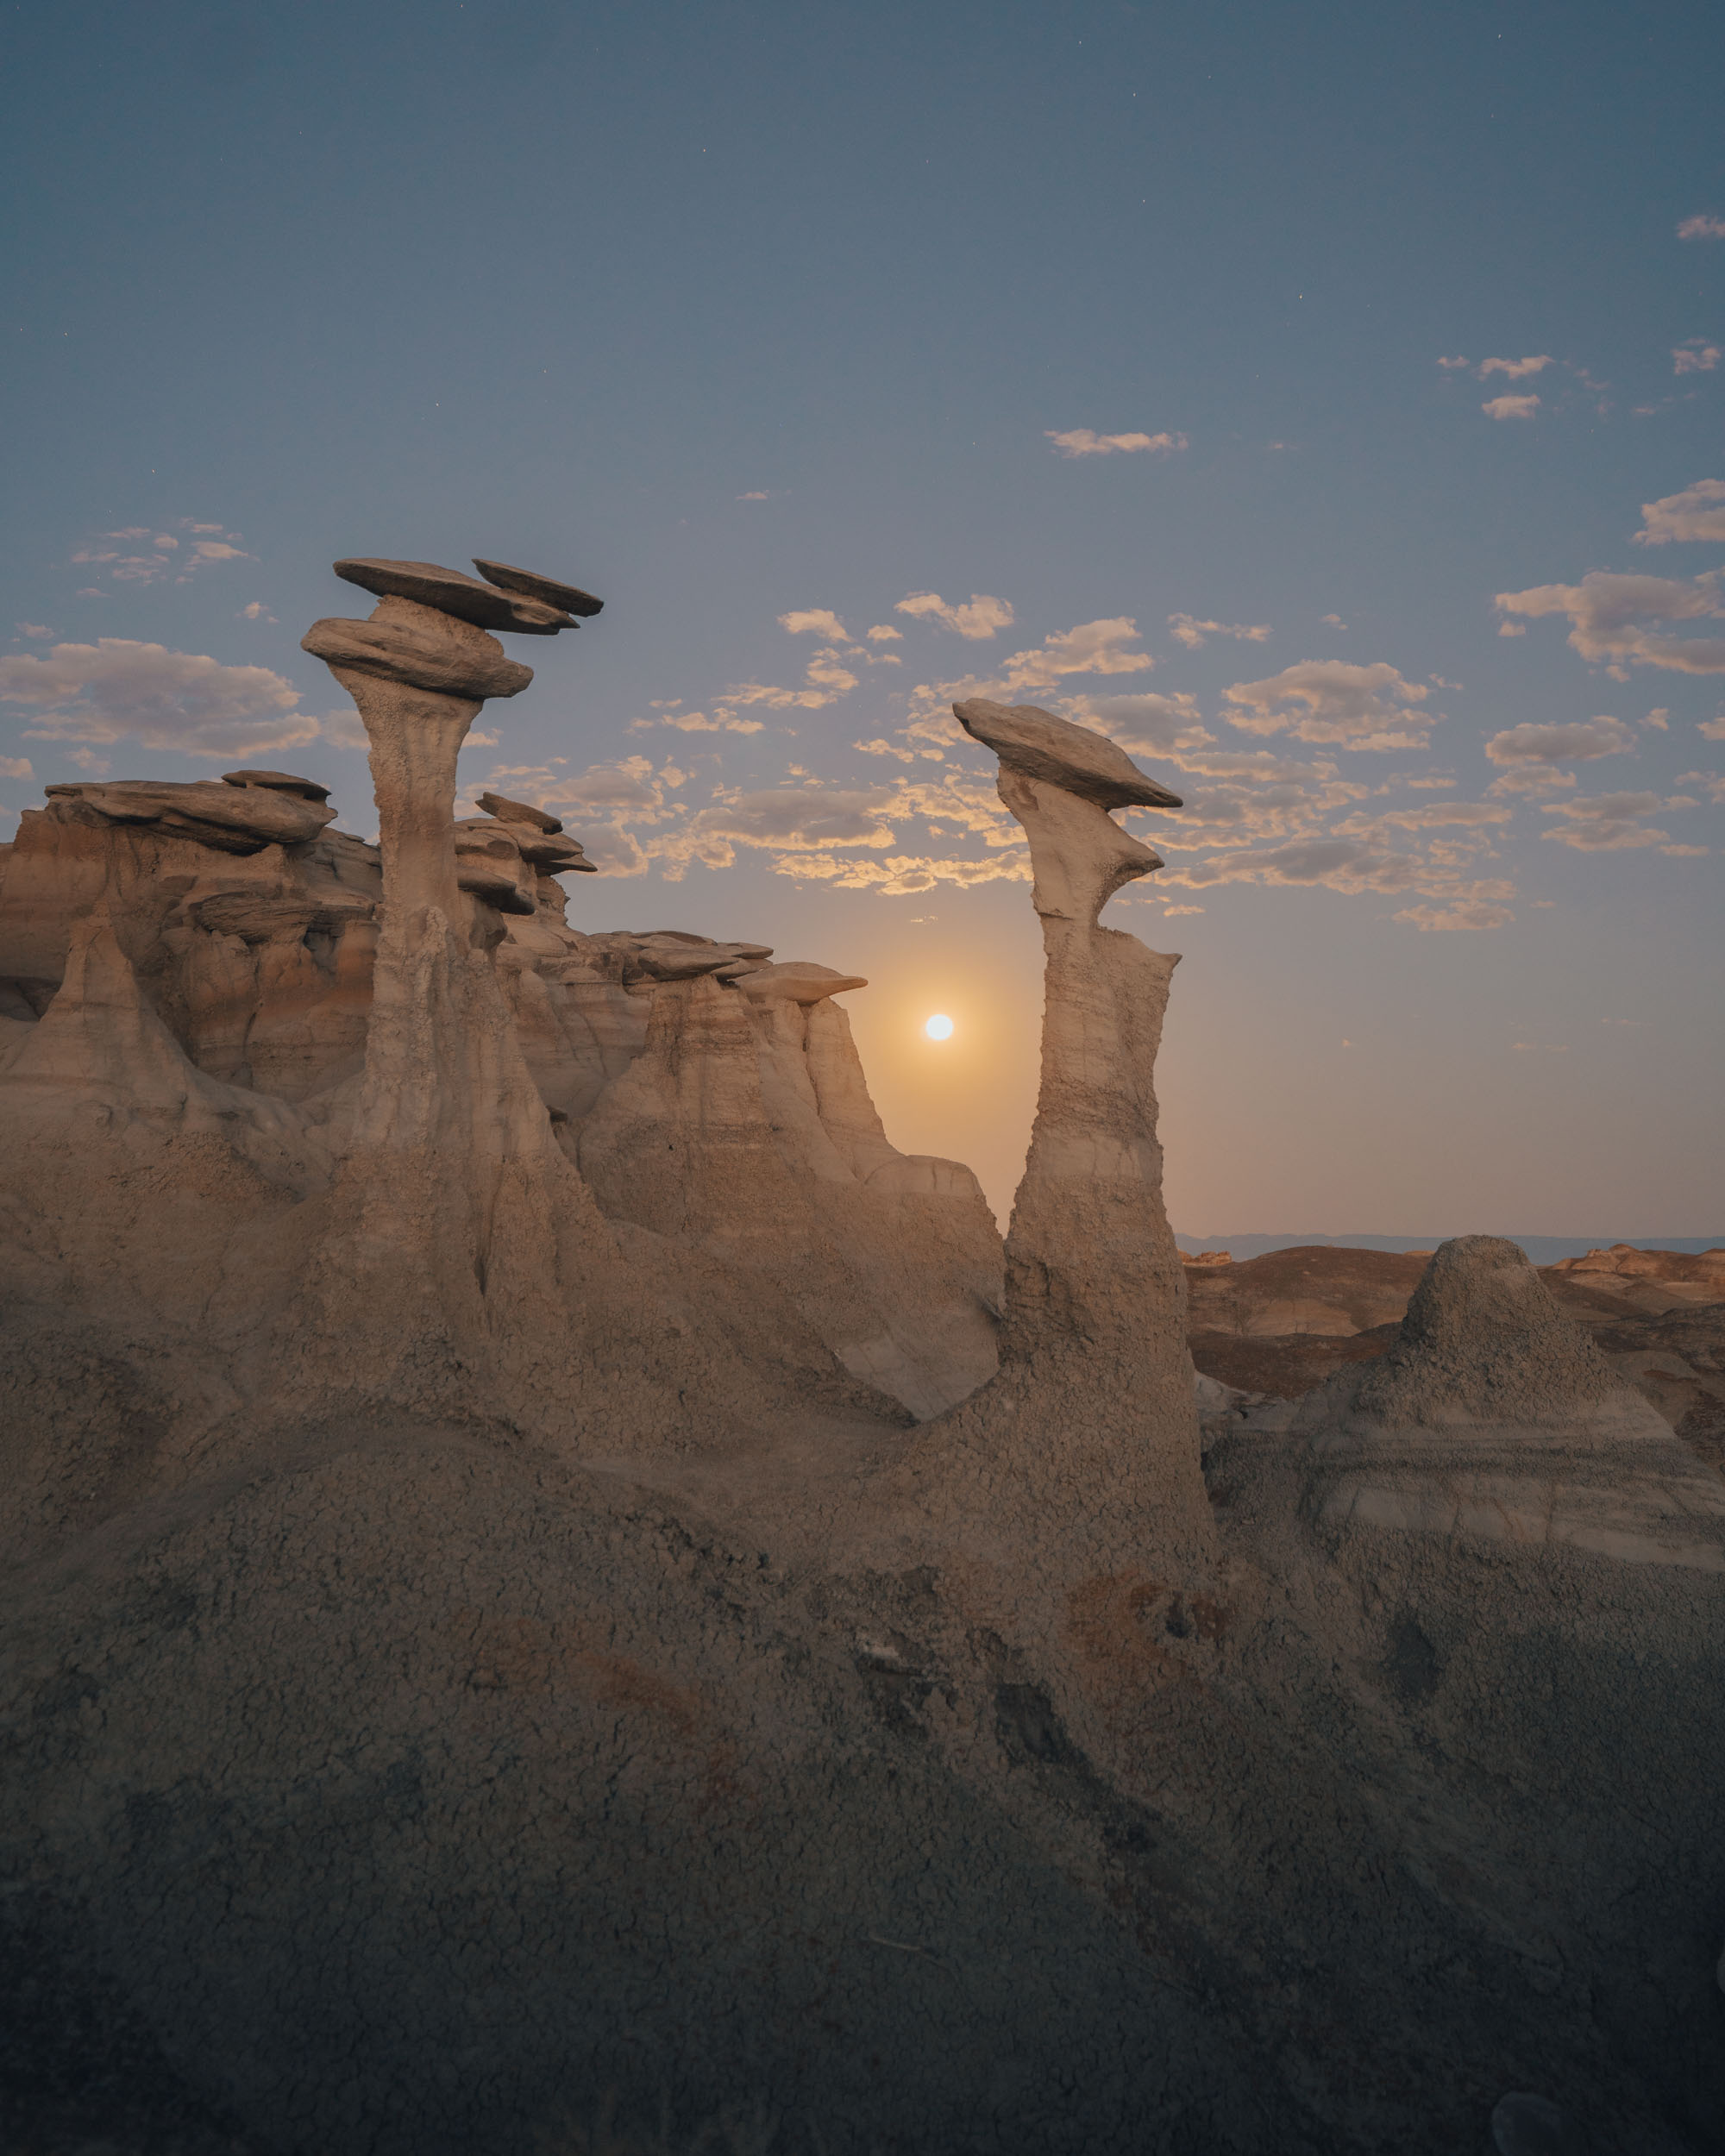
477,1637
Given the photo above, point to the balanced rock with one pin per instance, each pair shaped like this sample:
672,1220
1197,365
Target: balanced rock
483,604
421,647
798,982
1037,745
569,598
489,864
508,812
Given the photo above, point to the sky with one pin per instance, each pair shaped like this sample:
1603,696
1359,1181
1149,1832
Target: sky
1323,402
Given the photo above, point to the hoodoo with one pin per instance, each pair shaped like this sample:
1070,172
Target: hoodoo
1087,1441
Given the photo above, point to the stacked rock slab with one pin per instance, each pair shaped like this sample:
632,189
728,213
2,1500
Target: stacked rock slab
1089,1432
460,1232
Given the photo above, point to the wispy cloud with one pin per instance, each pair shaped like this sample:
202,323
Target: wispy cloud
884,633
1330,700
140,554
34,629
1695,356
1465,914
1511,407
1530,754
815,621
1613,618
118,690
1514,370
1698,512
255,611
979,618
1085,441
1609,823
1702,227
1196,634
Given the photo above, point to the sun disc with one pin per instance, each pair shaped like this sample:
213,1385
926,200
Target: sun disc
939,1027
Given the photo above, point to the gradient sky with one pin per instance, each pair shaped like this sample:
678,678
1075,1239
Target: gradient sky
1325,401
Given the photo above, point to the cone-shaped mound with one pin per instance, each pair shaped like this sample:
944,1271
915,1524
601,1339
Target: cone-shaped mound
1483,1343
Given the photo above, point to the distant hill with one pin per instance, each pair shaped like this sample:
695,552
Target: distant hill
1543,1250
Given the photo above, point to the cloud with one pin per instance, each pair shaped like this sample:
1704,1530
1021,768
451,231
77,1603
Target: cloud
1092,647
1436,815
1193,634
1084,441
1579,741
1144,726
827,678
1702,228
1692,356
1514,370
980,619
1712,783
1349,864
117,690
884,633
698,722
34,629
1456,362
1698,512
1334,621
808,818
1610,616
256,611
1658,719
903,876
1511,407
1712,729
1607,822
753,498
1329,700
111,550
815,621
15,767
1465,914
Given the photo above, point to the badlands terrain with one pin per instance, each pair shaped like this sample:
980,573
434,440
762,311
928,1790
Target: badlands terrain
551,1574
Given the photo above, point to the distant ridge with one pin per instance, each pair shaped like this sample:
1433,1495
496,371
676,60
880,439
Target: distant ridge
1543,1250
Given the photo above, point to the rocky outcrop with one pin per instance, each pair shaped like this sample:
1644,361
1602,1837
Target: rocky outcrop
1090,1433
1484,1349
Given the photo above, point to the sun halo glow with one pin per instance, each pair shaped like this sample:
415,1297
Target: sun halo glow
939,1027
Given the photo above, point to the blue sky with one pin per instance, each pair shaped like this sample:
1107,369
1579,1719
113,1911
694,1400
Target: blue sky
1261,384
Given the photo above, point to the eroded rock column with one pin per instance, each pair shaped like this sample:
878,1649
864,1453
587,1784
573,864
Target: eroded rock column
1086,1444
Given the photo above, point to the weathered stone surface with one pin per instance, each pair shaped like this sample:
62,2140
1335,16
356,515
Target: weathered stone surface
798,982
280,782
1086,1443
233,819
423,650
489,863
668,954
1485,1347
508,812
450,592
1037,745
569,597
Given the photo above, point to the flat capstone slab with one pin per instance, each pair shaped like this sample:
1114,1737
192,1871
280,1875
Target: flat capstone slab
279,782
508,812
570,597
451,592
1037,745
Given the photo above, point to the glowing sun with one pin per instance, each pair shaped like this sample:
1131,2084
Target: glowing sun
938,1028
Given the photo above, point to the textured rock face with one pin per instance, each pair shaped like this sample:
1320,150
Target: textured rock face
1483,1347
1089,1430
449,1670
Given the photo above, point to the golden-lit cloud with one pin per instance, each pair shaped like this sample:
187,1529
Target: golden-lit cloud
1085,441
980,617
1613,618
1330,700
